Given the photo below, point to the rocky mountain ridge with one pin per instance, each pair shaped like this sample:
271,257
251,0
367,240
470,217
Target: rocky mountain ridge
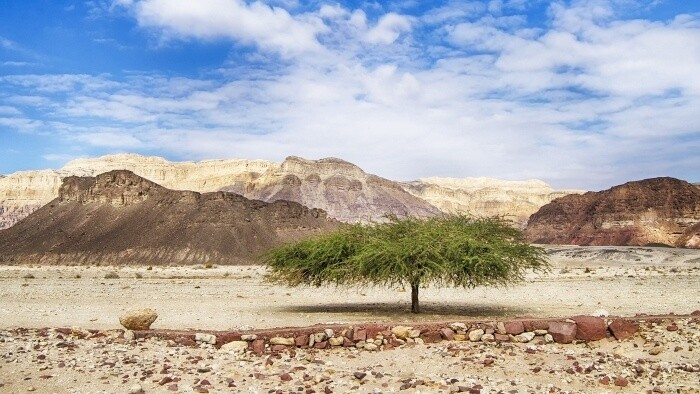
516,200
342,189
121,218
662,211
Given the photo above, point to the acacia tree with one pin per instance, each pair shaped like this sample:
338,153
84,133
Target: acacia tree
454,250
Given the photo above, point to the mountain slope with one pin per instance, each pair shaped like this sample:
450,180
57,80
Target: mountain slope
516,200
659,210
121,218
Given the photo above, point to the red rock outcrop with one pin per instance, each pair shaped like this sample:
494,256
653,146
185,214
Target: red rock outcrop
121,218
663,211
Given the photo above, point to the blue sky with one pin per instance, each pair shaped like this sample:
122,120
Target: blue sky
582,94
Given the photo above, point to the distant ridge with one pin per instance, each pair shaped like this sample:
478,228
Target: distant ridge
121,218
663,211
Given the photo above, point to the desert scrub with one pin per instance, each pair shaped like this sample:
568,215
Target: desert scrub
111,275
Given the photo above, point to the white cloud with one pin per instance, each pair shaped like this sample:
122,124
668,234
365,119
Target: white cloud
270,28
388,29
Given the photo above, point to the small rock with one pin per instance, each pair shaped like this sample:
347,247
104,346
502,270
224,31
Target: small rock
562,332
655,351
359,375
475,335
138,319
621,382
249,337
205,338
136,389
336,341
282,341
129,335
458,327
623,329
236,347
286,377
524,337
488,338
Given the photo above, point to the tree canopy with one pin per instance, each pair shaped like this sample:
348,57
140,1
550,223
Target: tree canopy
453,250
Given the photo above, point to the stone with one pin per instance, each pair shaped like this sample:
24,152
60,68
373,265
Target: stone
475,335
488,338
562,332
535,325
359,335
460,337
431,336
136,389
525,337
623,329
249,337
129,335
590,328
414,334
236,347
621,382
359,375
458,327
282,341
301,340
347,342
336,341
655,351
447,334
501,337
548,338
258,346
329,333
138,319
371,346
401,332
514,327
320,337
501,328
541,332
205,338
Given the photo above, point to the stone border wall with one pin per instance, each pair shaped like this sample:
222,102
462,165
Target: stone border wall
376,337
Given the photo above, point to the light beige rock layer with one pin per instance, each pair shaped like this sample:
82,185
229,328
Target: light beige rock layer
516,200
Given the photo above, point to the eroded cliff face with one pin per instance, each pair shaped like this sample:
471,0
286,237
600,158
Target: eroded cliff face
121,218
652,211
23,192
516,200
342,189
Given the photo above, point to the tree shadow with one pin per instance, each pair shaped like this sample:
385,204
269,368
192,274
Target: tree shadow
393,310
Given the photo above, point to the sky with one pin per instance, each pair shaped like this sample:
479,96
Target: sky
582,94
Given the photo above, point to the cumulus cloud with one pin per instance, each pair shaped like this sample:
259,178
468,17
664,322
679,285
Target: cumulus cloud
270,27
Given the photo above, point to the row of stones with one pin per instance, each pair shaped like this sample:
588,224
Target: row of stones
380,337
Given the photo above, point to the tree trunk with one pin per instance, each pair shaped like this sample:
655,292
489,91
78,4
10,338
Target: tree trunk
415,308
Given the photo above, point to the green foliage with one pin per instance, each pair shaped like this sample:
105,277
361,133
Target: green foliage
456,251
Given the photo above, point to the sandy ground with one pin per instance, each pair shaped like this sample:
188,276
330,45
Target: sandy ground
621,281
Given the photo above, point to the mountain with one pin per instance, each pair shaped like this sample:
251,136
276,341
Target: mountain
652,211
121,218
342,189
516,200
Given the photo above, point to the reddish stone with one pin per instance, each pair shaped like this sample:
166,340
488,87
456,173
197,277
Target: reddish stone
532,325
604,380
348,343
321,345
590,328
301,340
621,382
695,313
623,329
514,327
185,341
562,332
359,335
672,327
285,377
373,331
388,346
222,339
447,333
501,337
258,346
431,336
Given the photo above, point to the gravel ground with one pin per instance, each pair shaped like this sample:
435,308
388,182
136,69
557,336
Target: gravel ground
621,281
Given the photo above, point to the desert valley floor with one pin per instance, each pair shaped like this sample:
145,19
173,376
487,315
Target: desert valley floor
584,280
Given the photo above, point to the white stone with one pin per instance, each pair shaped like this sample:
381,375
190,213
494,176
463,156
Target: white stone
282,341
488,338
458,326
249,337
320,337
414,333
235,347
475,335
129,335
205,338
402,332
371,346
329,333
136,389
548,338
525,337
540,332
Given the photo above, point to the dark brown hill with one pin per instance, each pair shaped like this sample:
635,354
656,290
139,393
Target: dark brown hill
121,218
652,211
